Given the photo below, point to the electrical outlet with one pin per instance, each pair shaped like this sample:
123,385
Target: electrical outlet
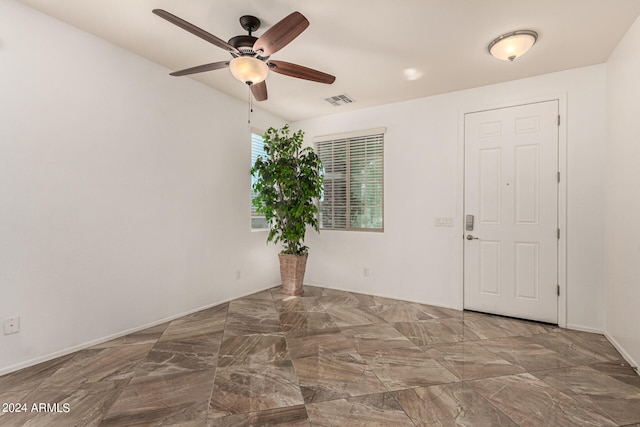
238,274
365,272
12,325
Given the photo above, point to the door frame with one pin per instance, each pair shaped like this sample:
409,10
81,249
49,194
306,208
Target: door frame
562,193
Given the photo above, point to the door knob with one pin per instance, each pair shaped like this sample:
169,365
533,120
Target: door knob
470,237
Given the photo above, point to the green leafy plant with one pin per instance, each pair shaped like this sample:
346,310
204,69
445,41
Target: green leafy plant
288,182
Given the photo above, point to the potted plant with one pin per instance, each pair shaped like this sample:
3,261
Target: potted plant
288,180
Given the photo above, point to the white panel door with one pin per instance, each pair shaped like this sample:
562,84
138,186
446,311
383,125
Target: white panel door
511,189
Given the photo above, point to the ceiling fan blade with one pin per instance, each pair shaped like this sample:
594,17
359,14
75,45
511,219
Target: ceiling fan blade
259,91
194,30
294,70
201,68
281,34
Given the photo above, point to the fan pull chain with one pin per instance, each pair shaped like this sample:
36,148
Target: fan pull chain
250,103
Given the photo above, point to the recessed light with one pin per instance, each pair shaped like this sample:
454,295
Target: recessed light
412,74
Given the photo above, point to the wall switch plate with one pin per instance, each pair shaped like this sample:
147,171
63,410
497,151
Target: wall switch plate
12,325
365,272
443,221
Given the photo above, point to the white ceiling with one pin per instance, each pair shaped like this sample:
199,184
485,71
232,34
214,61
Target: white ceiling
366,44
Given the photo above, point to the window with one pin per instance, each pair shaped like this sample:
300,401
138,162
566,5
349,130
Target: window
352,165
258,221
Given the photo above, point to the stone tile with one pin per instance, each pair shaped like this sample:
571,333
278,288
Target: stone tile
374,410
265,295
247,349
243,389
290,416
441,312
450,405
12,397
233,364
378,300
298,304
400,312
537,403
353,316
523,327
405,367
485,327
31,377
489,326
428,332
145,336
375,337
215,313
338,300
335,376
253,307
319,342
163,400
616,400
468,360
370,300
526,353
307,291
98,369
160,362
14,413
305,321
60,408
326,292
620,370
240,324
592,345
565,347
195,333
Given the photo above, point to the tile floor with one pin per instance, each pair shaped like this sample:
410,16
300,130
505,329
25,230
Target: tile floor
333,358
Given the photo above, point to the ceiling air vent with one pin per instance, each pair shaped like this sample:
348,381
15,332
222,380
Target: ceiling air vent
339,100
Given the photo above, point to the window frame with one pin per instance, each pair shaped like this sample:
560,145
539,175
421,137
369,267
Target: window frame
253,214
349,137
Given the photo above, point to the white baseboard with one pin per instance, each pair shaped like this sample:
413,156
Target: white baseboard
633,363
85,345
585,328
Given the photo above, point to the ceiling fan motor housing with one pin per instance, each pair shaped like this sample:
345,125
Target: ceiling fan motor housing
244,44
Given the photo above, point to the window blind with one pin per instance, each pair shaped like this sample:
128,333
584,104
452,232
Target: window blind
258,221
353,197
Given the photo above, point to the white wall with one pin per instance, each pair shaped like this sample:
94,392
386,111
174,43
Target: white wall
622,208
125,192
415,261
113,215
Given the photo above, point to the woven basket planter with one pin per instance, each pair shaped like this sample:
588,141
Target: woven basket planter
292,269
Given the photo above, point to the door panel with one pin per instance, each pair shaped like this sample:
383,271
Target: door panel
511,256
526,271
526,181
490,268
490,195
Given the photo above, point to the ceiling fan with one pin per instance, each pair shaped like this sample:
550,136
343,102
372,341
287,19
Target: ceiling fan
251,55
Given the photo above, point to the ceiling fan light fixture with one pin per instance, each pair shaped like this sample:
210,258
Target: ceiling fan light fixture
512,45
248,69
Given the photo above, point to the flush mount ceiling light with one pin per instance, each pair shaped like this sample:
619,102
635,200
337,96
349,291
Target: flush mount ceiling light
512,45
